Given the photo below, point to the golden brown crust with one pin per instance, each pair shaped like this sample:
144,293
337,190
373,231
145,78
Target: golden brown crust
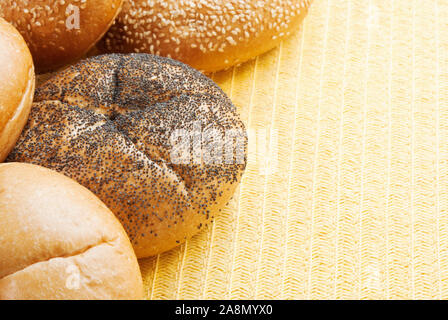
51,32
17,86
209,35
59,241
108,121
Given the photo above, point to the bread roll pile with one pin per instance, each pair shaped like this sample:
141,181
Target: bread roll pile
123,155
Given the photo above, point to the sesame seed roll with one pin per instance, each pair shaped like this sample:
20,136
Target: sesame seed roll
60,31
209,35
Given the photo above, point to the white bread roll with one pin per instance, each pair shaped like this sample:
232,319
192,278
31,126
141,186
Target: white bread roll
16,86
59,241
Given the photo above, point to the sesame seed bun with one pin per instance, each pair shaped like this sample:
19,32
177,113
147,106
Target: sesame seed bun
209,35
59,241
60,31
17,86
109,122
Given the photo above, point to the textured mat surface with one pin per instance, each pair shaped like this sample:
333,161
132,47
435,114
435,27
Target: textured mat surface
346,189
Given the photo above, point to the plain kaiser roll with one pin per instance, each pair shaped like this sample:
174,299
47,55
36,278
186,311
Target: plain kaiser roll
60,31
59,241
16,86
209,35
157,141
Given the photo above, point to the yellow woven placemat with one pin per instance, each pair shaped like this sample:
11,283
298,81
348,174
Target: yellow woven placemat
346,189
